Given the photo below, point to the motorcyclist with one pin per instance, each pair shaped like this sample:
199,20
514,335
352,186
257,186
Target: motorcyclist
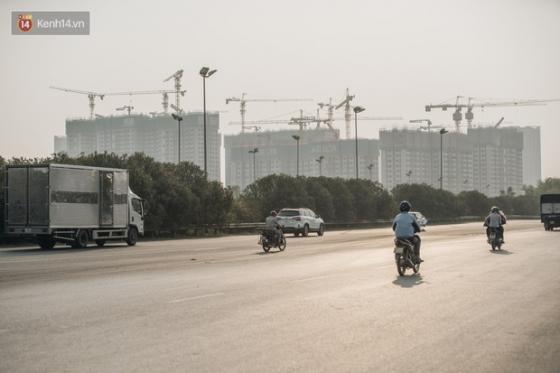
272,225
496,219
405,227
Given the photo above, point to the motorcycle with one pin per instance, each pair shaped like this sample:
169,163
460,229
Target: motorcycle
405,257
494,239
268,239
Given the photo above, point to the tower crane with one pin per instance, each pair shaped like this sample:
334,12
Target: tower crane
469,116
177,78
243,104
347,115
301,121
128,108
164,92
304,120
330,112
347,111
92,95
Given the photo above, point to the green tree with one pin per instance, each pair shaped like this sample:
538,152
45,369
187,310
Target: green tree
323,204
343,200
433,203
548,186
371,202
473,203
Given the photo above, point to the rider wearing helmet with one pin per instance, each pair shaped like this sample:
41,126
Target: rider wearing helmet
405,227
271,224
496,219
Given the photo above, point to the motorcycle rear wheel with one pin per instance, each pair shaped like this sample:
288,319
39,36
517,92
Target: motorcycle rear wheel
265,247
401,266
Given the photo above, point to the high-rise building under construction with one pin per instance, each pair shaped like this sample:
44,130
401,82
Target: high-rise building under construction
157,136
490,160
413,156
321,153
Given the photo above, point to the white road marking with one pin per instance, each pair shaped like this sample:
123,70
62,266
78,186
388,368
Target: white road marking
196,297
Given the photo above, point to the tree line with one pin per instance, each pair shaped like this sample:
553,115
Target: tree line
175,196
180,196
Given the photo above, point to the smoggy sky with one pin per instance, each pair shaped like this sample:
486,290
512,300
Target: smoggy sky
395,56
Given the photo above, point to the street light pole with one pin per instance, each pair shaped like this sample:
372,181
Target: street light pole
409,174
370,167
254,152
178,118
320,161
357,109
205,72
442,132
296,137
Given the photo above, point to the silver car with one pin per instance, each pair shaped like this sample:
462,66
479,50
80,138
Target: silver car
300,221
421,219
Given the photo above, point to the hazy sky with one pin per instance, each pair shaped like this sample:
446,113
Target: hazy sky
395,56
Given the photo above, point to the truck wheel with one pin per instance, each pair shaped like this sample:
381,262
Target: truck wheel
132,236
82,239
46,243
100,243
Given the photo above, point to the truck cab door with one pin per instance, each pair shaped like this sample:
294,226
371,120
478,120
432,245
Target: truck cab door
136,211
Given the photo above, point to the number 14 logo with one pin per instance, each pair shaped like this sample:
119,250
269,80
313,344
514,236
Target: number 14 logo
25,22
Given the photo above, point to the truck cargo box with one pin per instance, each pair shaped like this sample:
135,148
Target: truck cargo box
40,198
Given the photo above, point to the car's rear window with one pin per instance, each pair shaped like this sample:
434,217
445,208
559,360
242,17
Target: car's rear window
289,213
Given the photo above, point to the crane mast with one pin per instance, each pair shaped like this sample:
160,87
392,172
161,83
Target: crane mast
347,112
177,78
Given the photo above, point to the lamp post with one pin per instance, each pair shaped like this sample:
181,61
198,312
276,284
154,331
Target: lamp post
442,132
205,72
409,174
370,167
296,137
254,152
357,109
178,118
320,161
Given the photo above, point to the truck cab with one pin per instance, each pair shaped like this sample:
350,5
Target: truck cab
135,212
550,211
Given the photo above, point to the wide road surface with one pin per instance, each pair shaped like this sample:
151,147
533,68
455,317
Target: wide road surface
326,304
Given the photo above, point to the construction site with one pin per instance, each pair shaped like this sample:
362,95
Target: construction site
491,158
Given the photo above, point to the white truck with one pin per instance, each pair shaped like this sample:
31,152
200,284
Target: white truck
71,204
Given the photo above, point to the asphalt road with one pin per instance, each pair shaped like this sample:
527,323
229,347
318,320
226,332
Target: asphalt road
326,304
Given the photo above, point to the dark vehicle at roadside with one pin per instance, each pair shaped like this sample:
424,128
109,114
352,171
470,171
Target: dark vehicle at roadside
550,211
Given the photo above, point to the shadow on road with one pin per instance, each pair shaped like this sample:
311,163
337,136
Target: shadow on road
270,252
501,252
409,281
